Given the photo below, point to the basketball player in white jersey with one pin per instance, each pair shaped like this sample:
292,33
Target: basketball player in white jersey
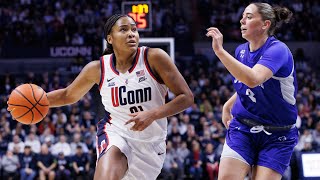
133,84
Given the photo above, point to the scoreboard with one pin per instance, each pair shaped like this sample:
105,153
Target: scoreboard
141,12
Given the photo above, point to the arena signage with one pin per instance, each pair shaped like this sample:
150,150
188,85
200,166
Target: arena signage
70,51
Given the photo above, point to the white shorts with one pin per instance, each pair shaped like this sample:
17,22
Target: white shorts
227,152
145,159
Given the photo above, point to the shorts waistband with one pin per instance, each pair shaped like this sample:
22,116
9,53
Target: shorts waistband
252,123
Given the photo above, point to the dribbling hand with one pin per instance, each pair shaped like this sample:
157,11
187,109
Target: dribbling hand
217,38
141,119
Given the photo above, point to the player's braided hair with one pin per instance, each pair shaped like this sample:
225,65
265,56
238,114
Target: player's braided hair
107,29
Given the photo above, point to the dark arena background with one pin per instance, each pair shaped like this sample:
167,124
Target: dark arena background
48,43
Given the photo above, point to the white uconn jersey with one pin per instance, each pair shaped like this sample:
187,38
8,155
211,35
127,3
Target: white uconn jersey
133,91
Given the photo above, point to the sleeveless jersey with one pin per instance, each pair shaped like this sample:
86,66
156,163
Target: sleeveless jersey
130,92
274,101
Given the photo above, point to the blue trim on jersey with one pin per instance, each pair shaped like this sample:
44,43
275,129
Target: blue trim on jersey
136,59
146,61
102,72
100,125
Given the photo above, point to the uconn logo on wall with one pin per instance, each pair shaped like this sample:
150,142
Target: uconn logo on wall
120,96
70,51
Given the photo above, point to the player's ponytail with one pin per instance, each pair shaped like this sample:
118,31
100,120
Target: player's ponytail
108,50
277,15
107,29
283,14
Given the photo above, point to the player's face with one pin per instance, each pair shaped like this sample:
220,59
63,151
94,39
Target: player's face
124,34
252,25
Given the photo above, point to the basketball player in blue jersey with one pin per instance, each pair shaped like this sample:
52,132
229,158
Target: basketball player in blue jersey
261,115
133,84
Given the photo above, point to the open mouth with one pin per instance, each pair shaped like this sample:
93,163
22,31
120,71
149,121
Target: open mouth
132,43
243,30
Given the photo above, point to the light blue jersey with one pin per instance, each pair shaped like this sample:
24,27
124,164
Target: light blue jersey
274,101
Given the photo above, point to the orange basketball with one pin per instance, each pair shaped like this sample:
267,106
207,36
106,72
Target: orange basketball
28,104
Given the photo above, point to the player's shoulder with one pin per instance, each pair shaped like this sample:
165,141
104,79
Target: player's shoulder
92,70
155,51
156,54
92,67
94,64
277,47
274,42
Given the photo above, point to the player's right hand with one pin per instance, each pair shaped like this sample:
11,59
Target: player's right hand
10,109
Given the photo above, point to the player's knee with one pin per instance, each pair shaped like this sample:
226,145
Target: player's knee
227,176
110,172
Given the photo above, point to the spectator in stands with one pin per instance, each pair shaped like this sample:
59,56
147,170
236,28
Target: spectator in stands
316,137
89,143
87,121
27,164
194,161
46,163
73,125
62,170
61,146
183,151
211,161
173,167
10,164
91,138
77,141
19,131
3,145
46,123
16,142
59,115
80,164
32,141
47,136
183,125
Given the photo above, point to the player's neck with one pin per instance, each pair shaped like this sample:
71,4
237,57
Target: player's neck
257,43
124,62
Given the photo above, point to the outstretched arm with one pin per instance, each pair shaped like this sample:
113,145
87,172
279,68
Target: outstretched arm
89,76
251,77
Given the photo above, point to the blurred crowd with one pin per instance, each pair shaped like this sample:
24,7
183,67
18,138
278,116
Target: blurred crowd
63,143
41,23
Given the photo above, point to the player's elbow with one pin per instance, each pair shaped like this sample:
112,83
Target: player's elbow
189,98
253,82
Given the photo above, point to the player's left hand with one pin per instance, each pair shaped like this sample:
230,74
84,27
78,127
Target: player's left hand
217,38
141,119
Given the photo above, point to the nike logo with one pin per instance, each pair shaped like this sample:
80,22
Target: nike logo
110,79
160,153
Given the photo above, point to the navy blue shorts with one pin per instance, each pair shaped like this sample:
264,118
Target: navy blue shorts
272,151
